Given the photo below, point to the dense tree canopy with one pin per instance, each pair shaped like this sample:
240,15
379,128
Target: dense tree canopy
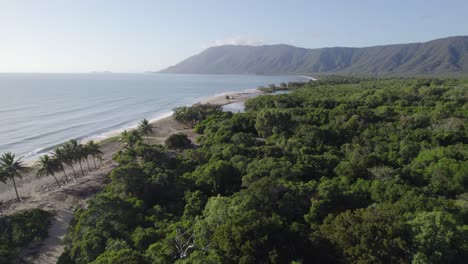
177,141
342,170
20,229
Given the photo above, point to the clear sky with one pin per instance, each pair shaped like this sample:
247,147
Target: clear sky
139,35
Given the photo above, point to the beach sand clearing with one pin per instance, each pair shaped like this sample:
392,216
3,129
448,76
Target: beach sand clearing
62,201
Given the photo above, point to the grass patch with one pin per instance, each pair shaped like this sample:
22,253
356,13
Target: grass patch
109,140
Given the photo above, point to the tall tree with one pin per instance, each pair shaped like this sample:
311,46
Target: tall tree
70,150
93,150
145,128
130,139
76,152
85,153
100,158
80,156
10,168
60,155
47,166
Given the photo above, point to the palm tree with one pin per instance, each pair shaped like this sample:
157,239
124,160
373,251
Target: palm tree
79,156
100,158
93,150
11,168
76,152
48,166
60,155
130,139
145,128
124,137
69,158
2,175
85,153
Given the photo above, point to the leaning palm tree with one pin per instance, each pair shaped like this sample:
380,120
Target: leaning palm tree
130,139
10,168
47,166
124,137
93,150
2,175
100,158
79,156
69,157
145,128
60,155
85,153
76,152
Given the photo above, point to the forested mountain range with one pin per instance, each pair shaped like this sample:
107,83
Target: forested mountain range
447,56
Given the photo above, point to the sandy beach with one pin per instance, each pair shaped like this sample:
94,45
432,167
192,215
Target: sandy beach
164,127
44,192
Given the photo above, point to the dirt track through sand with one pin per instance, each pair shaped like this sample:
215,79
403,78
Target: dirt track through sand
62,203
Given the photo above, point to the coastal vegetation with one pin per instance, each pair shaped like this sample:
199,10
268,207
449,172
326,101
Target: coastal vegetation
69,154
17,230
178,141
192,115
11,168
20,229
145,127
48,166
342,170
273,88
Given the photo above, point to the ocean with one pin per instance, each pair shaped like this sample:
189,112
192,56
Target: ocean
41,111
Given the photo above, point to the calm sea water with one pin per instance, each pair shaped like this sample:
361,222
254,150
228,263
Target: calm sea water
40,111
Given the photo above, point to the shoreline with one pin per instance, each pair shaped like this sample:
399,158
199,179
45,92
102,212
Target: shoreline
62,201
29,152
220,99
29,185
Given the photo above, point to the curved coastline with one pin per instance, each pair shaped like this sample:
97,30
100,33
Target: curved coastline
155,114
165,125
219,98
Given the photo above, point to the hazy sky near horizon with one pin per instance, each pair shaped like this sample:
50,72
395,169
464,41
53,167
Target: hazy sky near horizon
144,35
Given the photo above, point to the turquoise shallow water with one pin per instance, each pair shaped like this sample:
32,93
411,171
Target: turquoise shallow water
40,111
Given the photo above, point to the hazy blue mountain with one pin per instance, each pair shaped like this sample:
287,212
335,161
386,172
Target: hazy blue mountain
440,56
